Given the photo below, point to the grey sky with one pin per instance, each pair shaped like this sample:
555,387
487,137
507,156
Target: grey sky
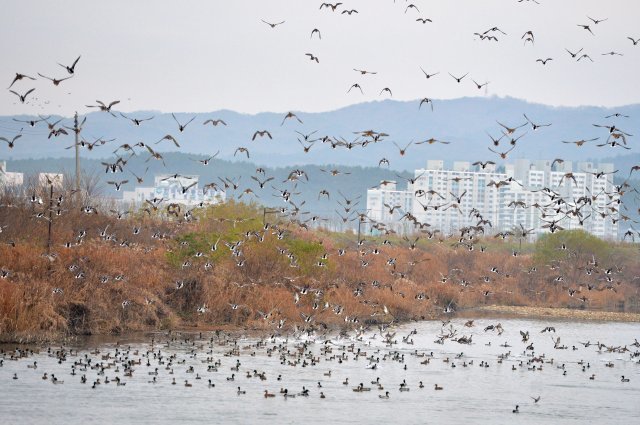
208,55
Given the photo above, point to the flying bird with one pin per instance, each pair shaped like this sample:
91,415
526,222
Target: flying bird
426,100
290,115
55,81
261,133
70,69
331,6
19,77
272,25
427,75
312,57
103,107
214,122
136,121
355,86
23,97
181,127
458,79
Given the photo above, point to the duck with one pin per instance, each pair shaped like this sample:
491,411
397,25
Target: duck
516,410
322,395
421,385
241,392
623,379
211,384
267,394
15,376
385,396
437,388
187,384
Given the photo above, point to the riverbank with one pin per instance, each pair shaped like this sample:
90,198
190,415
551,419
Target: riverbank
558,313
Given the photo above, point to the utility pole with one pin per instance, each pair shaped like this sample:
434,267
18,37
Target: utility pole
76,130
50,217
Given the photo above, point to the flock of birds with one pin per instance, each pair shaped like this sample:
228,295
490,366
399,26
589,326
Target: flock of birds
193,361
230,365
554,211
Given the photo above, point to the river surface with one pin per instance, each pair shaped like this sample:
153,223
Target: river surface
471,393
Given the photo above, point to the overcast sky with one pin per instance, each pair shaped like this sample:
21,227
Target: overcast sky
197,56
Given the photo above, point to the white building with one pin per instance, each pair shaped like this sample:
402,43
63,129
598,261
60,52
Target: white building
451,199
182,190
8,178
400,201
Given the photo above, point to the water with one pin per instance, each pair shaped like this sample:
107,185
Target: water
471,394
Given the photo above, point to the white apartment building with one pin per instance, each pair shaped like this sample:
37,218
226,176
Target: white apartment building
182,189
387,193
450,199
8,178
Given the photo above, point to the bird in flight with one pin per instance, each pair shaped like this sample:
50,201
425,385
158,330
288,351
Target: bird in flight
242,150
290,115
386,89
103,107
427,75
426,100
11,143
55,81
355,86
316,31
503,155
458,79
478,85
272,25
312,57
214,122
584,56
181,127
363,72
509,129
136,121
535,126
586,27
423,20
333,7
22,97
70,69
261,133
544,61
597,21
581,141
170,138
634,41
19,77
573,55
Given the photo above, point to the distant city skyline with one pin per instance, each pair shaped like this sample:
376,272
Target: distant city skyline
204,56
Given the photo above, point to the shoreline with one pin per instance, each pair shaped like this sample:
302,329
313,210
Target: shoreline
489,311
557,313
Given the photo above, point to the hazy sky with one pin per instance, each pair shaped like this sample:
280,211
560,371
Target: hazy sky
207,55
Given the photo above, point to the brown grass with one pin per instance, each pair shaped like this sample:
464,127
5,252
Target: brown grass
44,296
